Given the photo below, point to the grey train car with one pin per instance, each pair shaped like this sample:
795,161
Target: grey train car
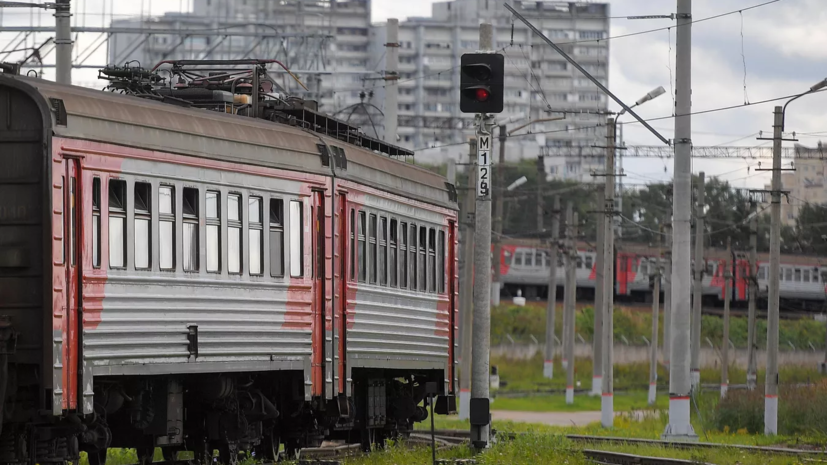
193,280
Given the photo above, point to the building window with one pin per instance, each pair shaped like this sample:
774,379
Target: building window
96,222
393,270
190,211
117,223
143,219
276,238
441,259
383,252
422,279
372,247
362,252
213,231
234,225
256,235
296,239
403,256
432,260
412,257
166,227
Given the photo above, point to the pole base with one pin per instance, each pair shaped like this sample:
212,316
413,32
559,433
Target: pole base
570,395
695,379
597,386
653,393
679,427
464,404
548,369
752,380
607,410
495,294
724,388
770,415
565,364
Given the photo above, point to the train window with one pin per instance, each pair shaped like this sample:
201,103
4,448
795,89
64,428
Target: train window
117,223
538,259
423,259
363,260
393,270
234,226
352,244
441,261
561,261
277,238
788,274
528,258
403,255
296,239
60,225
143,219
432,260
644,268
190,211
806,276
797,274
589,262
256,235
213,231
166,227
710,269
412,256
579,261
382,267
824,276
815,275
518,258
96,222
373,259
762,272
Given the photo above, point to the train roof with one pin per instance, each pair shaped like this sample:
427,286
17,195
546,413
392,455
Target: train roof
131,121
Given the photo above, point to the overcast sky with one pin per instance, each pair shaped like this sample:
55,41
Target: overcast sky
784,53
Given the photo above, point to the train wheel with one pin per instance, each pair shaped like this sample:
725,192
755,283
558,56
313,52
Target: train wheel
228,454
268,450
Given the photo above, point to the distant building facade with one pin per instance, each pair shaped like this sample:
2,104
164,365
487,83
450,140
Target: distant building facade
806,184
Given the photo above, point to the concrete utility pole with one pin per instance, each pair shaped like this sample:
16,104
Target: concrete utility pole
727,296
481,343
771,384
499,200
541,180
666,277
607,399
391,80
697,294
752,363
63,41
680,385
570,298
653,345
597,341
551,305
466,289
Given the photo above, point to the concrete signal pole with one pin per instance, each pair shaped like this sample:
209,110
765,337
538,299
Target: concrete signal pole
570,298
771,383
752,363
392,80
551,305
697,294
653,345
607,387
466,284
63,41
666,278
499,200
680,385
727,295
597,340
481,339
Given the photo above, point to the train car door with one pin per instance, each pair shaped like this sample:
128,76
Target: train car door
72,240
323,297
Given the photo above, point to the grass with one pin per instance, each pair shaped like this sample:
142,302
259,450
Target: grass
623,402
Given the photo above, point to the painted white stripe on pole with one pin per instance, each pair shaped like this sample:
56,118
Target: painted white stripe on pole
484,167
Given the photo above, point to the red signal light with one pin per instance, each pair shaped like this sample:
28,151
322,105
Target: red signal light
483,95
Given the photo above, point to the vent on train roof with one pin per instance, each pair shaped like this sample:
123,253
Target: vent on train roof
239,87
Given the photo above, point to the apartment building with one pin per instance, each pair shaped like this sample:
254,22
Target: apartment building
807,184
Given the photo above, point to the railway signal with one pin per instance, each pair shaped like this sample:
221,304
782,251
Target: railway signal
481,83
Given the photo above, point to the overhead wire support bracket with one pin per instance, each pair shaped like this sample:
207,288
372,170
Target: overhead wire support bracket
586,73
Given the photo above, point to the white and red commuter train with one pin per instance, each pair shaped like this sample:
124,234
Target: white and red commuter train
189,279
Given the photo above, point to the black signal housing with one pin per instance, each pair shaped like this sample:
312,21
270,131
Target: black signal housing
481,83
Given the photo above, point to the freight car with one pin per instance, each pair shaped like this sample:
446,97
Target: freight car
231,280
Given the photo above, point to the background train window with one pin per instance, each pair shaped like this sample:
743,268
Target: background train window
117,223
352,244
393,270
412,256
277,238
518,258
538,259
788,274
382,269
797,274
762,272
362,252
441,261
432,260
296,239
166,227
423,259
528,258
579,261
190,211
644,268
213,231
143,219
96,222
372,247
806,276
403,256
234,226
589,262
256,236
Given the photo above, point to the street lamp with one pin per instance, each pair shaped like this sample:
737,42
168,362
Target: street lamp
814,88
517,183
653,94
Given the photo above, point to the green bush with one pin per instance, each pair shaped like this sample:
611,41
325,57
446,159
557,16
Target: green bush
801,410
